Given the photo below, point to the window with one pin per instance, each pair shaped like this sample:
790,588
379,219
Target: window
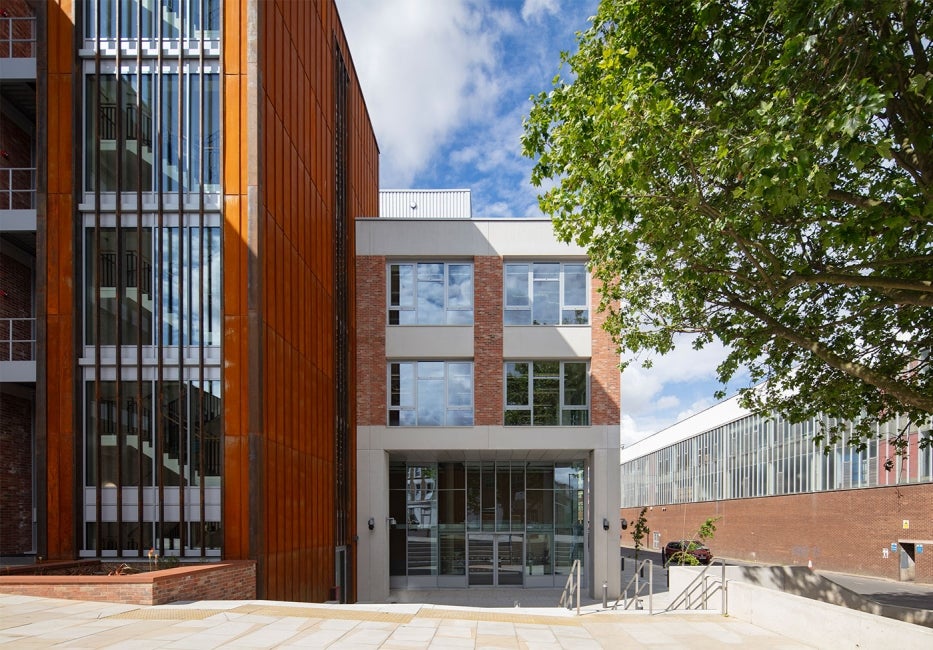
436,293
430,393
546,293
122,18
122,149
152,285
547,393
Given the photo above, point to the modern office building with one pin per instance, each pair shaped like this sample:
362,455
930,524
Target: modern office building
487,403
780,499
178,186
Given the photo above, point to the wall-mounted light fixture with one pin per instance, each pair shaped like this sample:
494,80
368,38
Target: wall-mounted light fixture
371,523
605,524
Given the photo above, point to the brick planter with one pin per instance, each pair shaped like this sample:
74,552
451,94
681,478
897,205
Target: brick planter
221,581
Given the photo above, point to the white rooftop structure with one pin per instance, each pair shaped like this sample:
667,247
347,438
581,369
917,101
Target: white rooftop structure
428,204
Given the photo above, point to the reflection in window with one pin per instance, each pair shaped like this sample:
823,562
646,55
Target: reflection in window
547,393
431,294
122,294
124,433
430,393
546,293
123,148
142,18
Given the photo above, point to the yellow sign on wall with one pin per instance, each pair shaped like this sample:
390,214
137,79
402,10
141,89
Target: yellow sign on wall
906,524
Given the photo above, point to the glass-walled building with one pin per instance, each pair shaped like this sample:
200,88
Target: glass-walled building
760,456
456,524
488,404
151,277
776,497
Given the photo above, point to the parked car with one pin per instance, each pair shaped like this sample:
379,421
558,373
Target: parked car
673,551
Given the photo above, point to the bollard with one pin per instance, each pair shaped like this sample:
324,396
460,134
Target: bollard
605,595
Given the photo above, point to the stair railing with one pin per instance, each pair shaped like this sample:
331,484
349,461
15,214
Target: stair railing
572,586
636,587
697,593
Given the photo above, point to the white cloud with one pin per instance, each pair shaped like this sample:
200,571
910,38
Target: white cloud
426,68
534,9
678,385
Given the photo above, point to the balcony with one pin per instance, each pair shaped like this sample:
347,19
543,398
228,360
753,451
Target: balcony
17,349
17,46
18,198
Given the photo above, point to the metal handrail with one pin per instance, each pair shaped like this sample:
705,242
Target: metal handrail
10,47
636,593
17,182
8,342
566,598
702,582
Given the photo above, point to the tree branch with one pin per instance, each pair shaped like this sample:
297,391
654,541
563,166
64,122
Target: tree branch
897,389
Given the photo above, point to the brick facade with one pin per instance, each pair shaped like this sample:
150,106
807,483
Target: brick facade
487,341
371,333
487,347
16,301
223,581
605,395
844,531
15,475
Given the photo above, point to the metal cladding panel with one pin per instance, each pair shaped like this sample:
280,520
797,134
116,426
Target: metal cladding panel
428,204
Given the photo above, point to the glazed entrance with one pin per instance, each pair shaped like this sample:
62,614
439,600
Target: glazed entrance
485,523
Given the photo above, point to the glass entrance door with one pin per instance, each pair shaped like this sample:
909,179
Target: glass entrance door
495,559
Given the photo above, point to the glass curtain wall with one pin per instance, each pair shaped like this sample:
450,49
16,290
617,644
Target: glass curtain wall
485,523
151,251
758,456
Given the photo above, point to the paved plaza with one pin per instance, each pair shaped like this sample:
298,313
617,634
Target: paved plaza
27,622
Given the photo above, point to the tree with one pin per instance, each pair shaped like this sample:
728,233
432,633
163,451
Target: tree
704,533
757,173
640,531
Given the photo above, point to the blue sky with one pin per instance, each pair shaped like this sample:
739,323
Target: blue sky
447,83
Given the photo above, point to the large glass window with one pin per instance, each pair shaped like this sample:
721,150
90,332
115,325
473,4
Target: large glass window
546,293
443,512
128,19
430,393
435,293
547,393
122,148
144,434
171,276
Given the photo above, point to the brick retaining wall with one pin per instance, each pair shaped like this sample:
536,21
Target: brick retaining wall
849,531
221,581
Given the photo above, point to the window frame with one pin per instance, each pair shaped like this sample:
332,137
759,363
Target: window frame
209,140
413,407
515,307
563,408
413,307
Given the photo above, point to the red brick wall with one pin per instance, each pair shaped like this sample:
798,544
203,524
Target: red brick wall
15,475
15,152
371,336
487,341
842,531
23,31
16,301
224,581
487,347
605,379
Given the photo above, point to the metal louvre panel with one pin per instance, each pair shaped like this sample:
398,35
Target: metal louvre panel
426,204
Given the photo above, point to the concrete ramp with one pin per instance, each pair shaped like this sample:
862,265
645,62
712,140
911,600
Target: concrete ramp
801,581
